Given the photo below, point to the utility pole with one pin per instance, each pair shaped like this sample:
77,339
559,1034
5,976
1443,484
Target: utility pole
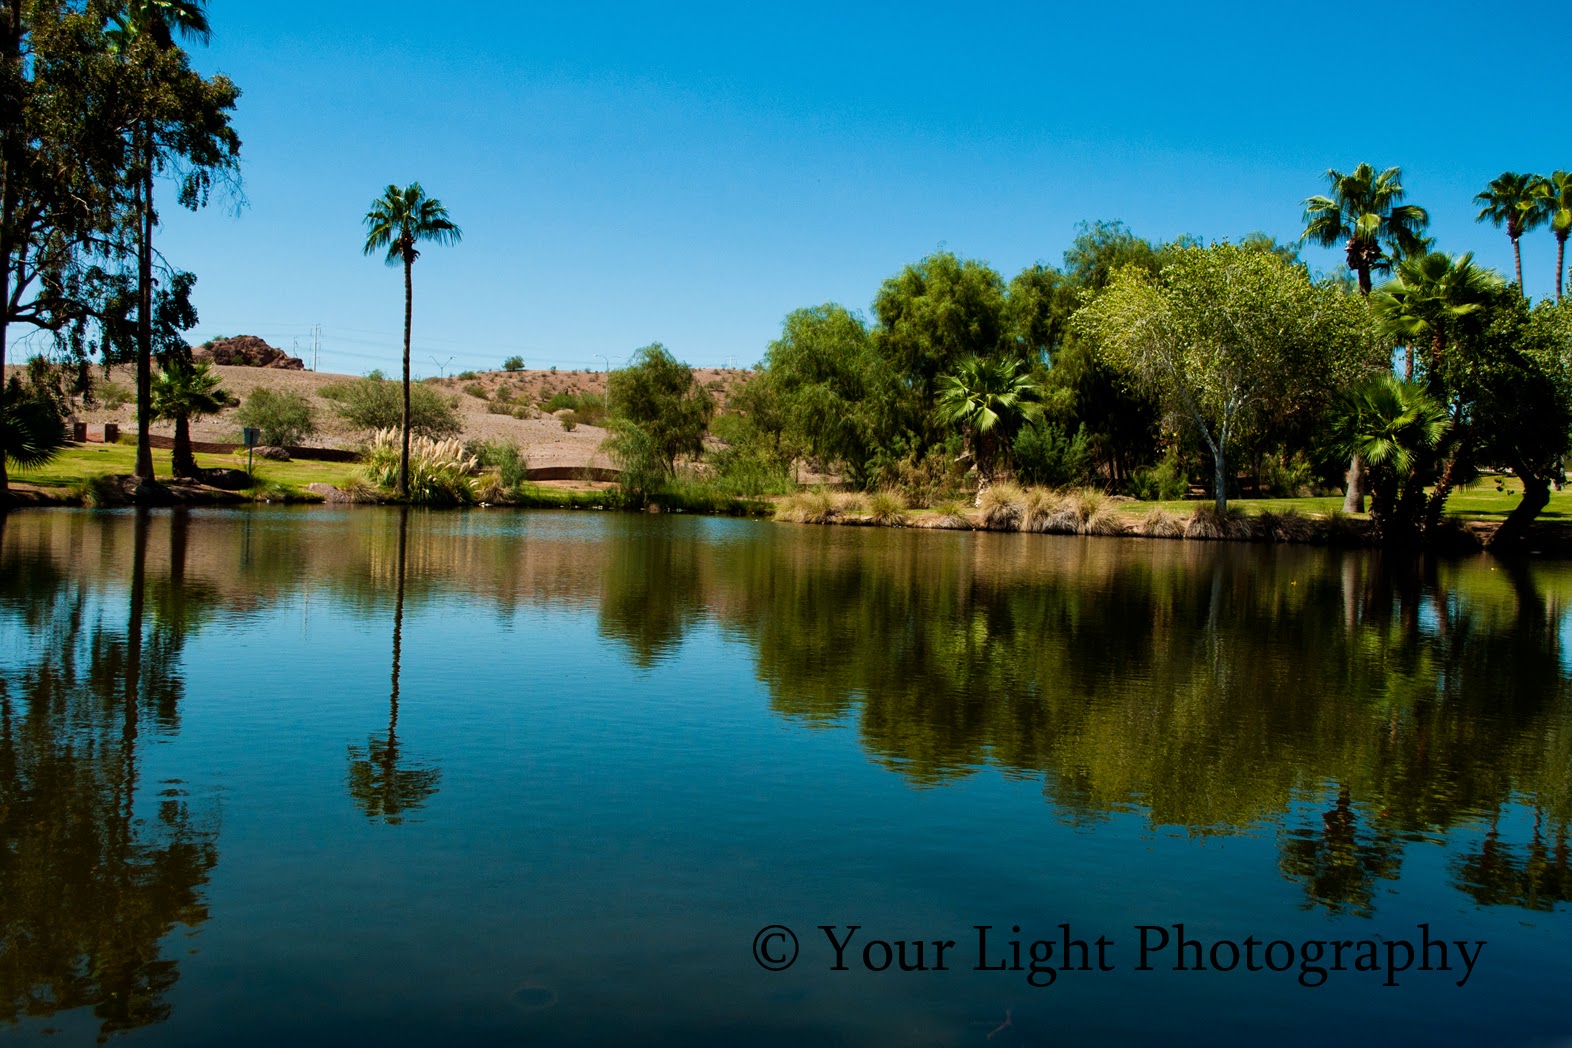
316,344
442,366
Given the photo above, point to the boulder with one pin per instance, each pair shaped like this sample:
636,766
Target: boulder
226,479
272,452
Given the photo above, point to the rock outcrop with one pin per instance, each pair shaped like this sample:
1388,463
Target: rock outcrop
247,351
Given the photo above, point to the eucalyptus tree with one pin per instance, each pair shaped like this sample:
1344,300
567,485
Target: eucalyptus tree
1516,202
176,116
1556,202
1366,213
396,222
990,400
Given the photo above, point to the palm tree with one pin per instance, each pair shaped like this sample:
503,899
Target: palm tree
990,400
1366,213
1389,424
1556,202
152,23
1514,201
180,393
1429,296
397,221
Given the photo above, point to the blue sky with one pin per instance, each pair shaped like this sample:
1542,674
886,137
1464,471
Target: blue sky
628,174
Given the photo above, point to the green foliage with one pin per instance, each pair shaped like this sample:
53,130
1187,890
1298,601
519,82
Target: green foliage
1046,453
1164,482
32,423
514,363
467,376
285,417
1391,424
373,403
182,392
588,409
990,400
658,411
1365,216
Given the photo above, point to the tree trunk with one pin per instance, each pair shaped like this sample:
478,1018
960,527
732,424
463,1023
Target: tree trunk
1220,478
1517,259
11,42
144,321
1354,500
182,461
409,305
1536,496
1561,262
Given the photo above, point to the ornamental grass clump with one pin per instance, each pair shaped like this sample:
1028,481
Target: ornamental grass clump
1161,524
1288,526
439,470
886,507
806,507
1002,507
1208,523
951,514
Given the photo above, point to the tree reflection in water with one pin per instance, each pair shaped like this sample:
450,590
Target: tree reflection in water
91,884
383,787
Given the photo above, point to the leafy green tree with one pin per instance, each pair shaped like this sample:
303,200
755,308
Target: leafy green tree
1556,202
1518,203
932,315
1366,214
989,400
514,363
182,392
656,403
831,389
1225,335
283,417
396,222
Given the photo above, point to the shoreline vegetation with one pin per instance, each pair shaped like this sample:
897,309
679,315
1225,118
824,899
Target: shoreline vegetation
96,476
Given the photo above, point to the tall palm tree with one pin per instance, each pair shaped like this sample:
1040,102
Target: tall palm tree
990,400
180,393
152,23
397,221
1516,202
1366,213
1556,202
1425,301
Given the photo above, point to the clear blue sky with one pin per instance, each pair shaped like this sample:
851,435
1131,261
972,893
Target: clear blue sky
628,174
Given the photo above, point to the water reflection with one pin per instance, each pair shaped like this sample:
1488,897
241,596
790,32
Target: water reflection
96,868
383,782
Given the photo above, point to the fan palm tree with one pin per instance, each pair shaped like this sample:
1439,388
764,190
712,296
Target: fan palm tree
1429,296
1516,202
990,400
32,427
1389,424
1366,213
155,23
1556,201
180,393
397,221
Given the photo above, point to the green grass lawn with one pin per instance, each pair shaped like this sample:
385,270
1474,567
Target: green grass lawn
81,462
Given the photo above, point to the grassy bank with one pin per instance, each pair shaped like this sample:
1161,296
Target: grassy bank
72,472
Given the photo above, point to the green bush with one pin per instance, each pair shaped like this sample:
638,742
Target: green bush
1046,453
286,418
373,403
1164,482
513,364
589,409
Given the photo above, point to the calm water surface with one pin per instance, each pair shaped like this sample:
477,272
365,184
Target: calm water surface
365,777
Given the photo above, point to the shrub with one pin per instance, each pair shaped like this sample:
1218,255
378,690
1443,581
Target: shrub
476,390
1292,479
467,376
112,395
1288,526
439,470
886,507
1046,454
285,418
373,403
1164,482
1207,523
951,514
515,363
569,420
807,507
1160,524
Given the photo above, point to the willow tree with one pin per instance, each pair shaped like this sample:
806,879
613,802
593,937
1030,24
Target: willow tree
397,221
1225,335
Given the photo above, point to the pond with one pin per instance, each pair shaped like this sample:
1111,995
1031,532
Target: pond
380,777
